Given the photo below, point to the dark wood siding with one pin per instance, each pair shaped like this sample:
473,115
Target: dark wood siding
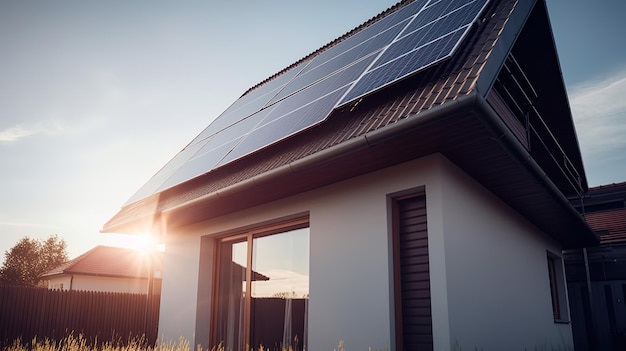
495,99
413,311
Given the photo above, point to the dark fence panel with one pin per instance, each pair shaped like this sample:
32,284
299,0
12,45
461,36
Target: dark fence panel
100,317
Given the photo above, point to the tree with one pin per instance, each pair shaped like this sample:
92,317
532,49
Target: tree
25,262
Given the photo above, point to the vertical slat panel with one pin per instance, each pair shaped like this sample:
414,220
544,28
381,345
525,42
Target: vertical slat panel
27,312
414,273
32,307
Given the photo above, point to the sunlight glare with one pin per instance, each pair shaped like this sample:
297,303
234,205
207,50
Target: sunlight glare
143,244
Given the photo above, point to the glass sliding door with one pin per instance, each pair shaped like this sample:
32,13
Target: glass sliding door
231,294
273,266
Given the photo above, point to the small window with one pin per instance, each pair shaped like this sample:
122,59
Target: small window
557,288
263,289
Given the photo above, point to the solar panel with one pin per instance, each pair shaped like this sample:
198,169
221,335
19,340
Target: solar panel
433,35
285,125
250,103
412,38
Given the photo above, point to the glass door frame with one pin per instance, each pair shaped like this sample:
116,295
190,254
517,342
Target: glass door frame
248,237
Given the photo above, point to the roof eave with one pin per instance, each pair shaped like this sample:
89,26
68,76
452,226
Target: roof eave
263,188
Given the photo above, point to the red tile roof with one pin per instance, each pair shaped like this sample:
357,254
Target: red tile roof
608,187
609,223
107,261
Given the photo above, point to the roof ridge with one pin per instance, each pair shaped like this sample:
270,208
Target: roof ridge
332,43
608,186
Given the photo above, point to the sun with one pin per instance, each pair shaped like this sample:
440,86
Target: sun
144,243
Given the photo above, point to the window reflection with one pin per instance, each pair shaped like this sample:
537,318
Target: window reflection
275,314
231,294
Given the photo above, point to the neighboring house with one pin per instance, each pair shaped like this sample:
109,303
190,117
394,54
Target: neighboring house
104,268
596,276
404,187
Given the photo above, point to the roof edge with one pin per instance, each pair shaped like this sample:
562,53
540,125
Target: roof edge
518,152
511,31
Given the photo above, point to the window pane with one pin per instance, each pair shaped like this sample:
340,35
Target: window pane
231,294
280,290
554,286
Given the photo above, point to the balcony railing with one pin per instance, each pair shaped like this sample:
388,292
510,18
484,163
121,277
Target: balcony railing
515,99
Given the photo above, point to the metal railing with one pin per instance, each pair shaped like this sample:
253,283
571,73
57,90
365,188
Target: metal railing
521,97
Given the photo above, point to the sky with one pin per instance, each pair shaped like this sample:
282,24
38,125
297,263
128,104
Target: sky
97,96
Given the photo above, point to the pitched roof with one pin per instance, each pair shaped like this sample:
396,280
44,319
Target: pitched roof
605,211
440,109
434,87
107,261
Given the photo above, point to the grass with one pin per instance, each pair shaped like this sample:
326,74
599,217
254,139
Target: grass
79,343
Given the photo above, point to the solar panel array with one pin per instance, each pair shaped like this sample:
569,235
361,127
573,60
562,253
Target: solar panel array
412,38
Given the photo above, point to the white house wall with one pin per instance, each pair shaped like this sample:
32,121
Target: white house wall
497,275
60,283
351,270
97,283
177,316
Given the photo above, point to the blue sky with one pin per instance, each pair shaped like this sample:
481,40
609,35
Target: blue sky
95,97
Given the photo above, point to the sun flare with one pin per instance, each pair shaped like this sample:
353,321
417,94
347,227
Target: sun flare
144,244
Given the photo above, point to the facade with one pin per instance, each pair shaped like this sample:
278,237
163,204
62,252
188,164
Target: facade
428,213
104,268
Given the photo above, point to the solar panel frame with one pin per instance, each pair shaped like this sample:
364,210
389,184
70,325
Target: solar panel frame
330,83
286,125
430,15
154,184
199,165
251,102
402,67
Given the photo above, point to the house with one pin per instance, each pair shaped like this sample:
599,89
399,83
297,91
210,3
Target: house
106,268
404,187
596,276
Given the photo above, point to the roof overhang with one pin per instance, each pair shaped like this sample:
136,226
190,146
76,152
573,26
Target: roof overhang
466,130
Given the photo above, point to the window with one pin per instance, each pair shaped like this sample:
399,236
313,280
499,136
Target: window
263,289
557,288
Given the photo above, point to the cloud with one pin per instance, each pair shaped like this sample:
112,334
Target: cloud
20,131
15,133
52,126
599,110
26,224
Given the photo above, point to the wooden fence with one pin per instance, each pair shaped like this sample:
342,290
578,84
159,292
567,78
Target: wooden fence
99,317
